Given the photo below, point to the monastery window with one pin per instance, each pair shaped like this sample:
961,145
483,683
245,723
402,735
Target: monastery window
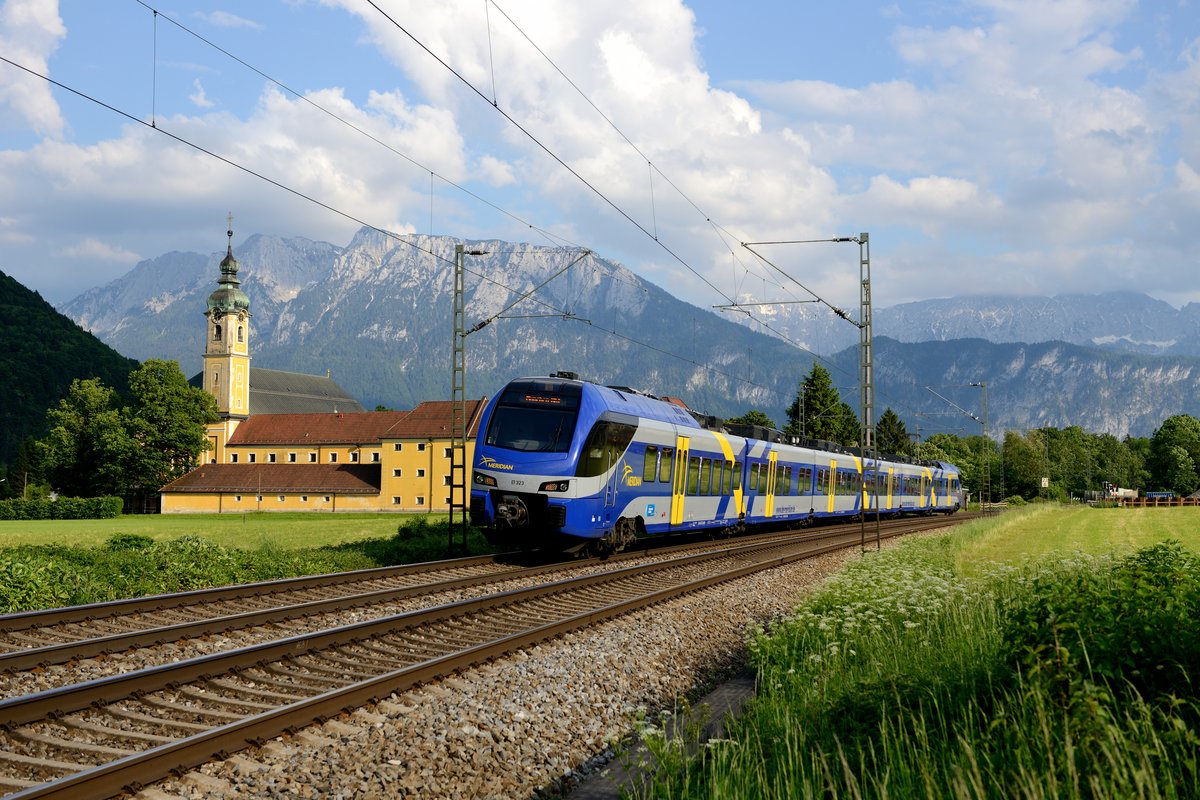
233,458
398,446
446,453
303,498
420,447
354,457
291,458
445,480
270,458
259,498
326,498
237,498
395,501
420,500
420,473
397,473
253,456
281,498
374,458
447,501
333,458
312,458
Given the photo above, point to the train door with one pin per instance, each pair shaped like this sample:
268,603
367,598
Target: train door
679,484
831,487
772,466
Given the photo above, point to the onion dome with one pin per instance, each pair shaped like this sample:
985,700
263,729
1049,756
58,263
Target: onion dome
229,299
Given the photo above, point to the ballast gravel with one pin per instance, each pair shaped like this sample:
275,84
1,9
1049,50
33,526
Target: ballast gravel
533,724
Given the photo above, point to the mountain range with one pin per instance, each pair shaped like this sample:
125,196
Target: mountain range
377,315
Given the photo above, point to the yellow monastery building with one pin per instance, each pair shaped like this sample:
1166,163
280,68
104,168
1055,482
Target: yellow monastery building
292,442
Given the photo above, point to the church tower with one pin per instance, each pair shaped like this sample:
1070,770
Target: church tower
227,352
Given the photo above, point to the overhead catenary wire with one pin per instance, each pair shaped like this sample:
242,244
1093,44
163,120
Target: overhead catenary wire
361,222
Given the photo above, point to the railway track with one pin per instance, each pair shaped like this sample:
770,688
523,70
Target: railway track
101,736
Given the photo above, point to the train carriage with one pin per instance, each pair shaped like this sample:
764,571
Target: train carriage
568,464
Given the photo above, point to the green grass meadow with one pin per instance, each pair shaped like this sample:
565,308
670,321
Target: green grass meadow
286,531
1041,653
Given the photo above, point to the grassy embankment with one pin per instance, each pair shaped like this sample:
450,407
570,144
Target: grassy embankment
48,563
1047,653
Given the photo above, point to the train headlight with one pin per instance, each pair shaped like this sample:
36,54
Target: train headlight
484,480
554,486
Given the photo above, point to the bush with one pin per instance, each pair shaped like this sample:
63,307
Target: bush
62,508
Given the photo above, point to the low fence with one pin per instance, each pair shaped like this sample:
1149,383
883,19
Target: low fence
1156,502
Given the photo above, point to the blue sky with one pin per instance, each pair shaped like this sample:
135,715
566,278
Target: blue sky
988,147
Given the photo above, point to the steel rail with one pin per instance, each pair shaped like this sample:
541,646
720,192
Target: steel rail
68,650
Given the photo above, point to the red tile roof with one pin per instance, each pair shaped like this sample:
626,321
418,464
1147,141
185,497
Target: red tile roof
433,420
313,429
276,478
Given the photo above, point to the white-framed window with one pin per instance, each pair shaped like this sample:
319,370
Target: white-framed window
333,458
237,498
445,480
291,458
395,500
326,498
233,458
420,447
420,472
253,457
281,498
270,458
354,457
398,446
312,458
259,498
375,458
447,452
420,500
397,473
303,498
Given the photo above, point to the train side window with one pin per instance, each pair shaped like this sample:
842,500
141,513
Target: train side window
650,464
752,483
823,481
737,475
693,478
783,480
705,472
728,477
762,478
664,465
604,447
718,466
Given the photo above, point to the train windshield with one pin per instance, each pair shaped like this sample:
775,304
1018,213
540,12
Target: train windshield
534,418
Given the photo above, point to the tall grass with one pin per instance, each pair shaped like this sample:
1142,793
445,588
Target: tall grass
1064,679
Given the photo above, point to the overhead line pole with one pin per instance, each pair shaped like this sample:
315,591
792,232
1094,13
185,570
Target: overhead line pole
866,349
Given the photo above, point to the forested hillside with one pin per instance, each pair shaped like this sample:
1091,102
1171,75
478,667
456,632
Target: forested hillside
41,352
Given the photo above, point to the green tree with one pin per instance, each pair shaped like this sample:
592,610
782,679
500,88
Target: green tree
891,436
1023,459
166,420
818,411
86,449
1181,431
753,417
1180,472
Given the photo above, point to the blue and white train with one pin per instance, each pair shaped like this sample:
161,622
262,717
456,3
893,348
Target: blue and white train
566,464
